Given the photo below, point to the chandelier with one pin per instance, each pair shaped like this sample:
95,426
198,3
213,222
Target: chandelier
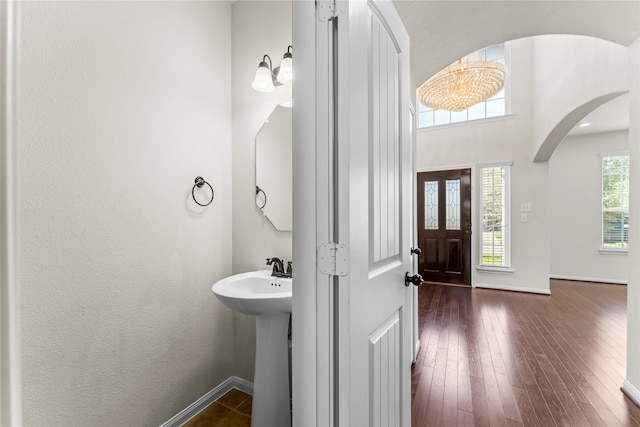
463,84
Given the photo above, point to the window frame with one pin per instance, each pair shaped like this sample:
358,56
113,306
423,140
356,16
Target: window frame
505,267
603,249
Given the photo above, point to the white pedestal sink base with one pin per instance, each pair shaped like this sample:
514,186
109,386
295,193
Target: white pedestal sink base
271,379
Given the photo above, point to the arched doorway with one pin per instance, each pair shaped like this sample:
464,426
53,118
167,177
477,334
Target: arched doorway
444,31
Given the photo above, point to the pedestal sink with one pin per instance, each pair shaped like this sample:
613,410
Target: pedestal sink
268,298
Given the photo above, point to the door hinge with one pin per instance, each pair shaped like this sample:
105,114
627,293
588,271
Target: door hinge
329,9
333,259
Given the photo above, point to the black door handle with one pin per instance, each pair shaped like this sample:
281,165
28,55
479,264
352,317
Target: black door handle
416,251
416,279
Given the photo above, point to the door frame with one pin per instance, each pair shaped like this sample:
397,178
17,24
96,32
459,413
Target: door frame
312,331
415,262
474,210
10,374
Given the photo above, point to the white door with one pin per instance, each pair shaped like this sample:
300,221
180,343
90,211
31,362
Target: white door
374,222
352,324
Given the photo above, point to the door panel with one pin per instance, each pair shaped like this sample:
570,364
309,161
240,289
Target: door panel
444,209
374,183
384,147
431,255
454,256
384,384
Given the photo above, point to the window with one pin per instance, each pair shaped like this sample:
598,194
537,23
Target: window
493,107
495,215
615,201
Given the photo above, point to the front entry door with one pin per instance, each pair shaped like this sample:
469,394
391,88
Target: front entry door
444,226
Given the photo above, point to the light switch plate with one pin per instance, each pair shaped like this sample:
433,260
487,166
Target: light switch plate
525,207
524,217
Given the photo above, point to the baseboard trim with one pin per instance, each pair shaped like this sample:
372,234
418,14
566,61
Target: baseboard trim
512,288
631,391
589,279
207,399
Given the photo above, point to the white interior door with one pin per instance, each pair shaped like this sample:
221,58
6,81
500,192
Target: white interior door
374,222
352,190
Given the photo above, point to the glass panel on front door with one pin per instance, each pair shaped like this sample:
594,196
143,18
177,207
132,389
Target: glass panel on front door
453,204
431,205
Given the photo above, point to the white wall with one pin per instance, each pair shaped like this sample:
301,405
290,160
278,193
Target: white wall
121,105
575,188
259,28
571,72
496,141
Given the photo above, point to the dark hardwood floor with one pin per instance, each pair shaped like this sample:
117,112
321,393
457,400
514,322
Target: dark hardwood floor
497,358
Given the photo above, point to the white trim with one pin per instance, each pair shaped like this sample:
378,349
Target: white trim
507,84
468,122
631,391
10,337
494,269
613,154
312,342
445,168
588,279
512,288
415,330
495,164
207,399
612,251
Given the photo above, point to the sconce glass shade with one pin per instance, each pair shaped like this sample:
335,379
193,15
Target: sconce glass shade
263,81
285,75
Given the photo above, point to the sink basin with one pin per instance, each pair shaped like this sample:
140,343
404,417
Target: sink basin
267,298
255,293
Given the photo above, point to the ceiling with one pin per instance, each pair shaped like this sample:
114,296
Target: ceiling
443,31
612,116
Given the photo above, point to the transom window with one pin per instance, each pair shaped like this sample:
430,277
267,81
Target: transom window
615,201
493,107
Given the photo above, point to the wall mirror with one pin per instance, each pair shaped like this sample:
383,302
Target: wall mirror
274,169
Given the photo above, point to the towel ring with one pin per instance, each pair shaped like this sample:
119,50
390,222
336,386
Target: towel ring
258,191
200,182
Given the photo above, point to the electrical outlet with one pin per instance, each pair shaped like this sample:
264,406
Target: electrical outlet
524,217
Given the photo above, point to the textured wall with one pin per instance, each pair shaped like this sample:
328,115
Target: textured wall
121,105
259,28
576,208
571,72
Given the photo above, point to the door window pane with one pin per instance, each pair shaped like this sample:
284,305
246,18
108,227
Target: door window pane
453,204
431,205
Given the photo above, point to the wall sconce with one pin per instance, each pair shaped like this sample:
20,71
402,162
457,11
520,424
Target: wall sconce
268,77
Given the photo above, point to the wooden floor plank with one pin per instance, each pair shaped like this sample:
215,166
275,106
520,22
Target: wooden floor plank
512,359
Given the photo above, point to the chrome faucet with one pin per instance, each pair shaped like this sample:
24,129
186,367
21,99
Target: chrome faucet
278,267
